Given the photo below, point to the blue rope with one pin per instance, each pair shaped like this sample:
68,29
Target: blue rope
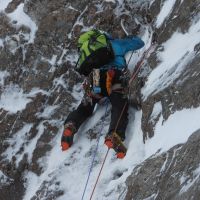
95,152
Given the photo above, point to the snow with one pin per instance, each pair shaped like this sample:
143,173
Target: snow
153,196
71,168
4,180
51,61
175,130
16,143
3,75
189,182
60,61
157,109
21,139
31,145
60,81
13,99
1,43
4,4
165,12
113,1
74,164
178,51
48,112
22,18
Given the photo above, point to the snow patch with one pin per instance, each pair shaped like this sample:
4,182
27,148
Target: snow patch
22,18
16,143
4,4
31,185
153,196
20,143
68,164
4,180
51,61
165,12
60,81
190,182
174,59
113,1
48,112
173,131
157,109
3,75
13,99
1,43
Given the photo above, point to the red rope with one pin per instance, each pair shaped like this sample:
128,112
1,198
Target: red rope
99,174
138,66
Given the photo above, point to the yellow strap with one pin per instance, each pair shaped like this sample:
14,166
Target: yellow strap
108,83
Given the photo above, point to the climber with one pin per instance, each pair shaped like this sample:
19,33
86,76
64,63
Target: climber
106,76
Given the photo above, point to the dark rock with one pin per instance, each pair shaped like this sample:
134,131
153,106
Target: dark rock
13,5
167,176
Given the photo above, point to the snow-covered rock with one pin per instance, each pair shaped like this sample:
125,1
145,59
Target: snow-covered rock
38,89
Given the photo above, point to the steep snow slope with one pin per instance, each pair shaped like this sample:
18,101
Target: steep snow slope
32,116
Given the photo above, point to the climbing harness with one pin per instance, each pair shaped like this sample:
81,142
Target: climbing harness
96,81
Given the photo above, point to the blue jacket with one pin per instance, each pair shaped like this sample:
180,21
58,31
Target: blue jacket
121,47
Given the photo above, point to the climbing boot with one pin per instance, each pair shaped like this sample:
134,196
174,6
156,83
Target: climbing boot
114,141
68,136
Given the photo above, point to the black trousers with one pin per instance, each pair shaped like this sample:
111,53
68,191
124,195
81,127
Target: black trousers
118,103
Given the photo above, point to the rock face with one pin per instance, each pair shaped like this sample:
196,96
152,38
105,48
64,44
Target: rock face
171,175
36,71
179,95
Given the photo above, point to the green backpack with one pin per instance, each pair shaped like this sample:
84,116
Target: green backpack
95,51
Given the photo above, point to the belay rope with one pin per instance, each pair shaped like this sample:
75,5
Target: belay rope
135,72
93,159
